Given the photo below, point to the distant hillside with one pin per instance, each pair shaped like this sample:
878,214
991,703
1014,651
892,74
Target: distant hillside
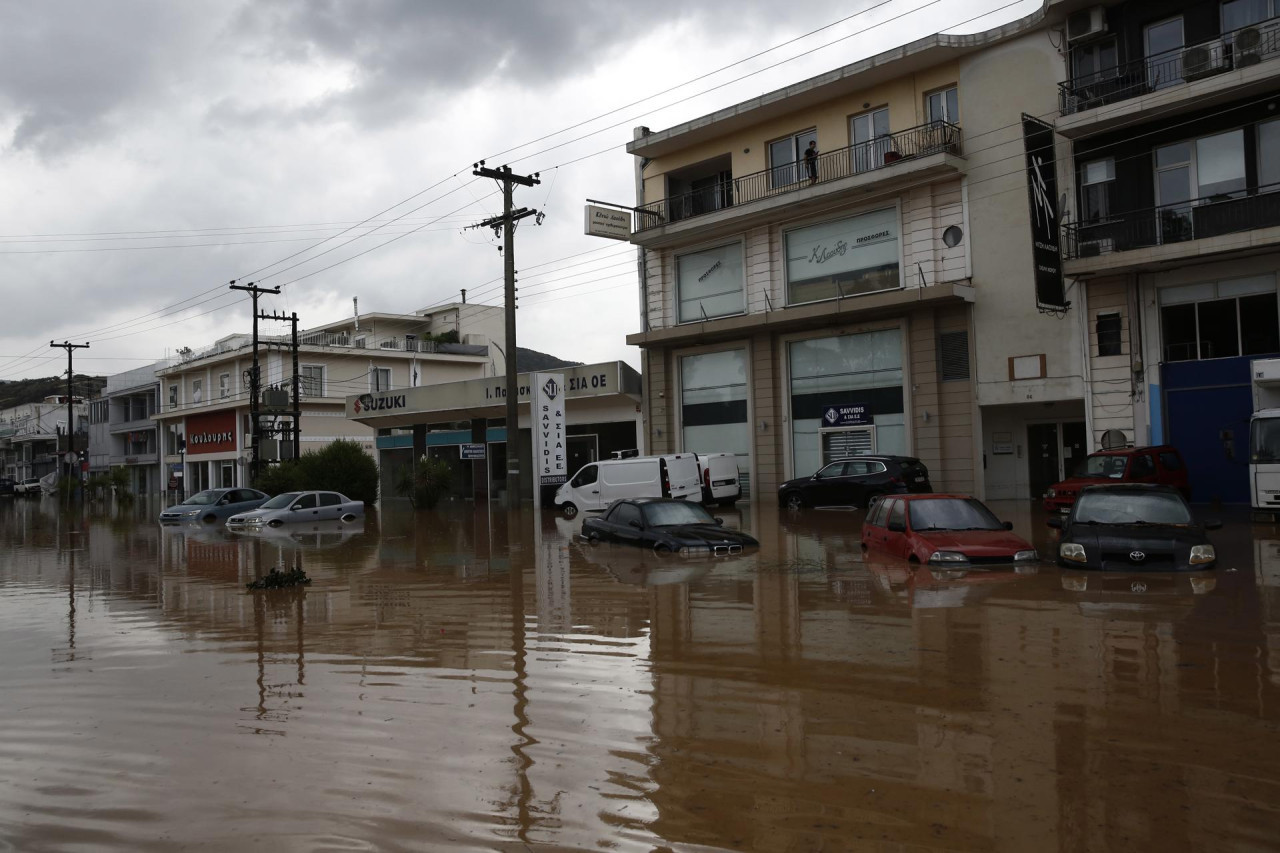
531,359
19,391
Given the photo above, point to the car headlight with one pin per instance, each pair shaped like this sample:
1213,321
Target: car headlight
947,557
1052,493
1072,552
191,512
1201,554
1026,555
253,519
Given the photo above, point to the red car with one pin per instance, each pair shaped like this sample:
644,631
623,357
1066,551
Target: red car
943,530
1161,464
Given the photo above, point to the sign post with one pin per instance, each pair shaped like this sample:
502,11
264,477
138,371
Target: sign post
550,461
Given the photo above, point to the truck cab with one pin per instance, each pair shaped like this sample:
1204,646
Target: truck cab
1264,440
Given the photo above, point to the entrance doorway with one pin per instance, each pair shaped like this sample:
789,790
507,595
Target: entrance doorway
1054,452
843,443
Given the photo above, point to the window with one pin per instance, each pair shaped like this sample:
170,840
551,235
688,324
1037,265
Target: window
943,106
1242,13
1142,466
1269,155
1171,461
585,477
1094,61
305,502
380,379
625,514
1109,327
1220,164
1220,320
898,514
869,136
329,499
713,405
224,386
197,390
311,380
786,156
878,511
173,396
710,283
1097,180
1164,53
953,356
846,257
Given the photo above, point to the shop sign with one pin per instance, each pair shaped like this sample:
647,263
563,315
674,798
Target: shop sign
379,402
842,416
548,428
867,241
214,432
1042,195
471,452
606,222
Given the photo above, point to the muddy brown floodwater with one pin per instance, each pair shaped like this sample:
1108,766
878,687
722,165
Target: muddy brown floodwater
460,681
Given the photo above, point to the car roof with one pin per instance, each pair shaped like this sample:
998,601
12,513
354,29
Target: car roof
1128,451
1130,487
652,501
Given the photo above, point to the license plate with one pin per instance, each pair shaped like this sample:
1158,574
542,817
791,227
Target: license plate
722,482
919,478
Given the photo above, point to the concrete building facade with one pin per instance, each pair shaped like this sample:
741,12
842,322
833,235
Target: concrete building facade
122,429
31,436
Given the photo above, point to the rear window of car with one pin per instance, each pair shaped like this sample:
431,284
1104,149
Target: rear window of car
329,499
878,510
1171,461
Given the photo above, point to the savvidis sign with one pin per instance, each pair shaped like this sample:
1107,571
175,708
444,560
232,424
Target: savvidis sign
548,428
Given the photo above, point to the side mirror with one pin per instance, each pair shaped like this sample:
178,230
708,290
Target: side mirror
1213,524
817,475
1055,523
1007,525
719,521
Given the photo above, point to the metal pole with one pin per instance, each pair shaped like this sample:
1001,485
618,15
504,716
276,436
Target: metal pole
255,382
297,392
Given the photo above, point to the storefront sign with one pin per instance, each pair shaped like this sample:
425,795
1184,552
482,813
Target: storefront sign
711,283
214,432
379,403
607,222
860,252
471,452
548,428
1042,195
842,416
1001,443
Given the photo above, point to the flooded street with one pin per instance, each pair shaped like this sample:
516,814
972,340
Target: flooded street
456,681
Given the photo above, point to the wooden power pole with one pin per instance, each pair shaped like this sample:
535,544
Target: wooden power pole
255,378
71,413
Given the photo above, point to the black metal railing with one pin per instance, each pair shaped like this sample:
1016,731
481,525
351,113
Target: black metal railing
934,138
1237,49
1196,219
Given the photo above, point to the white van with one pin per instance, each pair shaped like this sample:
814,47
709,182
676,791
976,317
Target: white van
599,484
718,473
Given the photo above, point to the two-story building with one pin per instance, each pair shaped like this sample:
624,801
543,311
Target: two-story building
122,431
875,297
1172,110
203,422
32,436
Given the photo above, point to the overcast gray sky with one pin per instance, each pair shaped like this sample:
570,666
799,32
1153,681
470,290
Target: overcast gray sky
152,151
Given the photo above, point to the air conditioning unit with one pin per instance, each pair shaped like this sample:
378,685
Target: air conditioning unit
1086,24
1253,44
1203,60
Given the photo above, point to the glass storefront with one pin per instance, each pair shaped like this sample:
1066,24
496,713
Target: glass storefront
710,283
843,258
862,370
713,406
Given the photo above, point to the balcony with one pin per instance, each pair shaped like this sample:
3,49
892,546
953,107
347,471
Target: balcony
1163,79
1148,231
894,152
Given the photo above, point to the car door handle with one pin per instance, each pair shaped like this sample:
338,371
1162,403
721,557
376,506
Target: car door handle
595,491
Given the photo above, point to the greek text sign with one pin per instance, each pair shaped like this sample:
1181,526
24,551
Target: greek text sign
840,416
214,432
547,421
471,452
606,222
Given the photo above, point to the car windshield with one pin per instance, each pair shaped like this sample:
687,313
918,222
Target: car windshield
1111,467
952,514
1131,507
204,498
281,501
676,512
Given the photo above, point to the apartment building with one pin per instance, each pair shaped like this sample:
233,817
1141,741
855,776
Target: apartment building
203,422
1172,112
122,431
877,297
32,436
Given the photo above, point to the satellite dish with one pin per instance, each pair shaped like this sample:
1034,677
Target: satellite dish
1114,439
952,236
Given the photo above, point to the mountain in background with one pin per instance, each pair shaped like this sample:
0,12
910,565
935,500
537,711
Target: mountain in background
530,360
18,391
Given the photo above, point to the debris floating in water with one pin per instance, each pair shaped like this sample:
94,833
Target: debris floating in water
276,579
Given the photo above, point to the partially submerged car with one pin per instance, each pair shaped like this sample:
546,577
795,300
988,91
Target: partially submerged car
856,482
212,505
1161,464
953,531
1133,527
665,525
288,507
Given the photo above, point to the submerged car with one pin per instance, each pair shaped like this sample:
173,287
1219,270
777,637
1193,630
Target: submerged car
212,505
665,525
1133,527
856,482
27,486
288,507
953,531
1162,464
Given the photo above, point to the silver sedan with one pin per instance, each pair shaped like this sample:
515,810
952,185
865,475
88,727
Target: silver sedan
290,507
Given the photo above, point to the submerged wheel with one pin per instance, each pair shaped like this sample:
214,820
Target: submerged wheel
793,500
348,517
569,510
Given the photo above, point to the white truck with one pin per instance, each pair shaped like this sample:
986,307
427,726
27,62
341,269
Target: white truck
1264,439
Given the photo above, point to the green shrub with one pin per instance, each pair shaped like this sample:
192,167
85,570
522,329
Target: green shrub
425,482
342,466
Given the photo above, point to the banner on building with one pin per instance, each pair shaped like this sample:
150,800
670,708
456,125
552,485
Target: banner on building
843,416
1042,195
607,222
547,422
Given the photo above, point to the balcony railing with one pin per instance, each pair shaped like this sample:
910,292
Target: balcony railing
1174,223
934,138
1237,49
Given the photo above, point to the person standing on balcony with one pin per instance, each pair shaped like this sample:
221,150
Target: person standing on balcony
811,161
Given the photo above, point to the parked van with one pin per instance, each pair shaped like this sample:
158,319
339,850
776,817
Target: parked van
599,484
718,473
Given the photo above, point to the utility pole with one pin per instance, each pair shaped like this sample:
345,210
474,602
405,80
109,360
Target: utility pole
296,383
71,416
255,376
506,223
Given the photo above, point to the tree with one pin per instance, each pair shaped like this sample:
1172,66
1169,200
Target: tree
342,466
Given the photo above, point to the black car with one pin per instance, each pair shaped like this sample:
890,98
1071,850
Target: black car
855,482
1130,527
665,524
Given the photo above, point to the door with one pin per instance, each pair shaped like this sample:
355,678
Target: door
624,520
1042,457
869,133
831,487
305,508
1207,409
1164,53
1075,441
843,443
585,488
330,505
895,541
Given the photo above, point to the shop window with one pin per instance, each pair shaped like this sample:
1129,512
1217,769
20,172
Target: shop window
847,257
1109,328
713,405
953,356
1220,320
710,283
